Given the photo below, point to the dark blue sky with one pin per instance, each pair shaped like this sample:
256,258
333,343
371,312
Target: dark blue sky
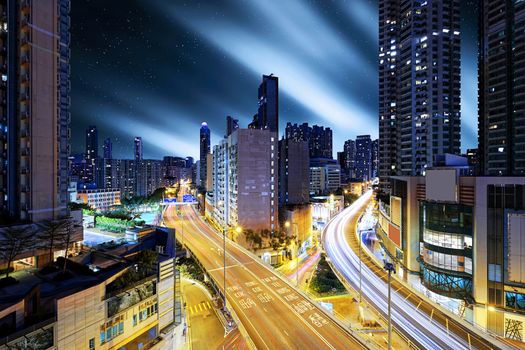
157,68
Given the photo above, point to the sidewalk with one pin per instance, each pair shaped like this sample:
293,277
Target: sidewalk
203,327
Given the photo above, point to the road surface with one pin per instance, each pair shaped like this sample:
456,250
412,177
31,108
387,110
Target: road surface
274,315
206,331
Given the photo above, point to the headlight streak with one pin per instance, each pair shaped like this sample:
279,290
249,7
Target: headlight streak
415,323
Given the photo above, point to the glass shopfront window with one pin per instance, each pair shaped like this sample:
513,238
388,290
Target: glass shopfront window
444,217
447,240
515,301
447,261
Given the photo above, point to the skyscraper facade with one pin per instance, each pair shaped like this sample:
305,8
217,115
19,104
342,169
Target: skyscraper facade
363,157
35,89
232,124
138,149
245,186
419,84
205,140
321,142
294,172
268,112
349,158
318,137
501,91
91,142
375,158
108,149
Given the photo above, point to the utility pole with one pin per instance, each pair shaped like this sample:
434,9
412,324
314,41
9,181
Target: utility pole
224,258
390,268
360,271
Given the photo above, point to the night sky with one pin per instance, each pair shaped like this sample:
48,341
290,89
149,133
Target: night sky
158,68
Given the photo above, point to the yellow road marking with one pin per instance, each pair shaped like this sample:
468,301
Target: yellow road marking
191,310
209,306
419,304
200,307
408,296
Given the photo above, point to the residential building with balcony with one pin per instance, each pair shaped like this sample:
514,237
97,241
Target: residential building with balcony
34,109
123,297
99,199
245,180
325,176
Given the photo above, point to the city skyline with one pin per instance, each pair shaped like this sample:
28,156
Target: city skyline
223,82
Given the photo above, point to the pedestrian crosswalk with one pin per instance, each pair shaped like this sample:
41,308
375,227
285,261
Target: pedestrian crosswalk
199,308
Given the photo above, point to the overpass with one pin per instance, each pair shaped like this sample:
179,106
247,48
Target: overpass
274,314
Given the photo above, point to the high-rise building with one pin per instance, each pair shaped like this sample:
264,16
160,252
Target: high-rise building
245,184
325,176
138,150
296,132
91,142
294,172
363,157
419,84
231,125
148,176
341,160
205,140
126,173
375,158
321,142
349,158
108,148
319,138
268,112
175,169
34,104
501,91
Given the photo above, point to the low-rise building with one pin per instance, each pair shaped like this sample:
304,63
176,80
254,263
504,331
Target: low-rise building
99,199
124,297
459,239
325,176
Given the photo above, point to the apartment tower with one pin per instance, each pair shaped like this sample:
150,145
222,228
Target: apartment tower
34,109
419,84
501,91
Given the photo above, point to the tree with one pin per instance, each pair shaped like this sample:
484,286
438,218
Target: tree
66,239
52,234
13,241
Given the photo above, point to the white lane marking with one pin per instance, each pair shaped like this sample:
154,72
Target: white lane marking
277,295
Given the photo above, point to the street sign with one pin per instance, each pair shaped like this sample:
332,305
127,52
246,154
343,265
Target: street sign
170,200
188,198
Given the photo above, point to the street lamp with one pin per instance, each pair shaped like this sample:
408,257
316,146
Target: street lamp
390,268
179,214
287,225
238,229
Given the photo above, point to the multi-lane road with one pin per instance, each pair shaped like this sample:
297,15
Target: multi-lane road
407,316
273,313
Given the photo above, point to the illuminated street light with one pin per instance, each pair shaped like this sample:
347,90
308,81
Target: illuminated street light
390,268
287,225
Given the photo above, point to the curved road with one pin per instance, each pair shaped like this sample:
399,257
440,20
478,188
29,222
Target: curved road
273,313
406,317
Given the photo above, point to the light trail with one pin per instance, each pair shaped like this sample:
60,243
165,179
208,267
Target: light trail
405,316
